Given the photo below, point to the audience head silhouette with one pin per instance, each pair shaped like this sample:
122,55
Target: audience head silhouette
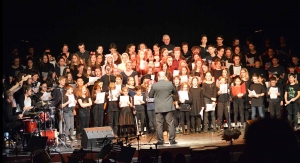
179,158
271,140
166,157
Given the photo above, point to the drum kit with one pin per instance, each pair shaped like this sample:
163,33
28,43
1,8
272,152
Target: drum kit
41,123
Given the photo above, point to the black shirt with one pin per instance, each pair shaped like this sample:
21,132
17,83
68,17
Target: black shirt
85,55
170,47
106,79
292,91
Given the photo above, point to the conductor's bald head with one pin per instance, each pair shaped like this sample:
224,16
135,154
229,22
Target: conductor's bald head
161,75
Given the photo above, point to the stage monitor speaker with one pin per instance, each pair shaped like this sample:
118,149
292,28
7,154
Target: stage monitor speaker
96,136
248,124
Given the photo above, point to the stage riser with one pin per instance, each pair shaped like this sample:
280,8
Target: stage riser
174,151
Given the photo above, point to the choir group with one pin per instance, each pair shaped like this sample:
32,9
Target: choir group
215,84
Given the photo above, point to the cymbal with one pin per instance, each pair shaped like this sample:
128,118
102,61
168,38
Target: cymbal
25,118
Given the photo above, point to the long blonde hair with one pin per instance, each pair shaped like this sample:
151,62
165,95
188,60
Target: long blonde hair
246,74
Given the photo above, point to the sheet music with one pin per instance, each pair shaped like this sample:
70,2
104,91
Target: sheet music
119,87
170,51
46,96
237,70
54,63
151,100
156,64
273,92
183,79
124,101
251,60
252,93
142,64
201,113
210,107
152,77
175,72
183,95
72,100
36,88
93,73
100,97
92,80
137,100
114,94
267,84
44,74
223,88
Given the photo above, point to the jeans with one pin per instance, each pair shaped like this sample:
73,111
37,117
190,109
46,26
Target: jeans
69,123
185,115
293,109
140,115
151,117
222,110
275,108
260,111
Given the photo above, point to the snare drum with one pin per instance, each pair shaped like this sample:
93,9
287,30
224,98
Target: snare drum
44,116
30,125
51,134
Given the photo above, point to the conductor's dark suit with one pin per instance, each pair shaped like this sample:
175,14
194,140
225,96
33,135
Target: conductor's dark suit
162,92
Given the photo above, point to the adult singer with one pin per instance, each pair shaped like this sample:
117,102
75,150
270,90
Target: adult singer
162,92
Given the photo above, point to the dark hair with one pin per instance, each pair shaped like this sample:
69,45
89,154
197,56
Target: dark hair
273,78
137,88
184,43
220,36
80,44
219,48
112,46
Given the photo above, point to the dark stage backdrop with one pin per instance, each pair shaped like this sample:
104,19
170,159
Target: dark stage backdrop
123,22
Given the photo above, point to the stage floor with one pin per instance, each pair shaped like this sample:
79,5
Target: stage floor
146,141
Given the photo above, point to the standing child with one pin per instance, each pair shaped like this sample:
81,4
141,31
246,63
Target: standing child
126,118
257,100
68,107
223,100
98,108
197,104
291,97
139,108
275,102
238,92
176,114
209,93
85,103
185,101
113,108
150,107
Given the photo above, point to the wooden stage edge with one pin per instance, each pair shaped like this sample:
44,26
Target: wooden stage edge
183,146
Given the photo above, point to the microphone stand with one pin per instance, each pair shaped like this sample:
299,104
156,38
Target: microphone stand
62,131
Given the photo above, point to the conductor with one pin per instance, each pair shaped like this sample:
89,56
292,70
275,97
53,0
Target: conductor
162,92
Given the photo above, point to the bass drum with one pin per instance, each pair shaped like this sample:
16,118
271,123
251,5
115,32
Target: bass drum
52,136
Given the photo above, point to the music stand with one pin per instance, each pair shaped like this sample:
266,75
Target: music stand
126,154
120,153
152,153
